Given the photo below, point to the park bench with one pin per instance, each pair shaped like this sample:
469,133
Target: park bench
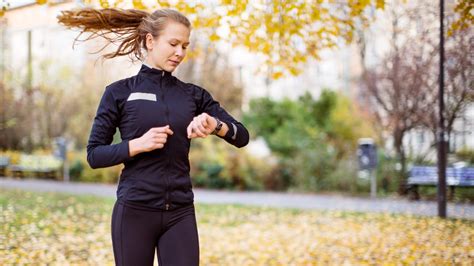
428,176
4,162
46,166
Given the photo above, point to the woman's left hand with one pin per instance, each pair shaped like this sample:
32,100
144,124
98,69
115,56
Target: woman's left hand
201,126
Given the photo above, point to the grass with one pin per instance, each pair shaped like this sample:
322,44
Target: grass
61,229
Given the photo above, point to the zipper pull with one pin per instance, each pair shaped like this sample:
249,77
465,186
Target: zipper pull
167,206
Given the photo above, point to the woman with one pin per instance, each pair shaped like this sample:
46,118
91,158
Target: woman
157,116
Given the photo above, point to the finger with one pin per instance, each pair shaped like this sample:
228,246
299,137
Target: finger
206,126
209,129
168,130
197,131
161,135
160,140
189,130
202,129
196,125
204,118
158,129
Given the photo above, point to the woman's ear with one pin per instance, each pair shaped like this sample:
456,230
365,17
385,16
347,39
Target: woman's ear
149,41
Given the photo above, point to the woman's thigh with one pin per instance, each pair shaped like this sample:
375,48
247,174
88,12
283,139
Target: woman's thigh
179,244
134,234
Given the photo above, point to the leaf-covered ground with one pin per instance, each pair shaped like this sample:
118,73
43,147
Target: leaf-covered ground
58,229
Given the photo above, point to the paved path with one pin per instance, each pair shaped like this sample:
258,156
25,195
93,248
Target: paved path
272,199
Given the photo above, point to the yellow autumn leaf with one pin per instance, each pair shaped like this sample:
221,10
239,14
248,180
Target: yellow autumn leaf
277,75
380,4
214,37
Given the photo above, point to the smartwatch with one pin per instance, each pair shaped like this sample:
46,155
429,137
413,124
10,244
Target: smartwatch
218,127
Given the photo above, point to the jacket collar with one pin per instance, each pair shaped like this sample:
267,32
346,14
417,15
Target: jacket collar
154,73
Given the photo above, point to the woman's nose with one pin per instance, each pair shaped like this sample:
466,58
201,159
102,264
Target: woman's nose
179,52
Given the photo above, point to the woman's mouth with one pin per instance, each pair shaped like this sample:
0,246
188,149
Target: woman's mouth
175,63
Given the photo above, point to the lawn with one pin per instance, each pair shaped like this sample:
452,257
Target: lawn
60,229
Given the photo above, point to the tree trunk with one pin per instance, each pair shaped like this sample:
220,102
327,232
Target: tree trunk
398,135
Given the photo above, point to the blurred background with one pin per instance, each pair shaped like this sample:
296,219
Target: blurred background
340,97
309,79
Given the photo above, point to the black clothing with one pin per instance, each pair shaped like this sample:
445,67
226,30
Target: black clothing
158,179
136,232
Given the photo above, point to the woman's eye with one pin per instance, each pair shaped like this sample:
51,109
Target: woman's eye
185,47
173,44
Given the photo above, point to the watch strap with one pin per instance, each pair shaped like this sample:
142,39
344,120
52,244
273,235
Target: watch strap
218,126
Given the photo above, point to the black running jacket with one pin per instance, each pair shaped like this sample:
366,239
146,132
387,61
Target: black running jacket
158,179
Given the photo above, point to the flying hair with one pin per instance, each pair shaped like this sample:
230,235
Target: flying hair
126,28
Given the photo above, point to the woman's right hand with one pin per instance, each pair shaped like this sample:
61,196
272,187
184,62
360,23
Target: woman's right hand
154,139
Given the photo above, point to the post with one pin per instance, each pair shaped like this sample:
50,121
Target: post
66,171
373,184
367,155
441,128
61,153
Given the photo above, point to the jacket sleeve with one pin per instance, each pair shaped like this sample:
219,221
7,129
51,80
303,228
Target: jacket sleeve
100,152
237,134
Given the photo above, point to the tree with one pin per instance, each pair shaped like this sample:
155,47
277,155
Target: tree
284,33
214,72
459,84
10,119
33,116
397,88
402,89
465,18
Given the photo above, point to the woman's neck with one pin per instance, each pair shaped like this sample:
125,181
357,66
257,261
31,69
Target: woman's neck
150,65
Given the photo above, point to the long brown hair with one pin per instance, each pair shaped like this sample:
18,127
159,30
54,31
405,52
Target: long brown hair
128,27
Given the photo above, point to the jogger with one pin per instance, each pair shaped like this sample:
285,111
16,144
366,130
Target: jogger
157,115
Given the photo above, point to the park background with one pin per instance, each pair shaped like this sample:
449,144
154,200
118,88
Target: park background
307,78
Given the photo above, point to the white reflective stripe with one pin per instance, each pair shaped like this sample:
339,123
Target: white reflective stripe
142,96
235,131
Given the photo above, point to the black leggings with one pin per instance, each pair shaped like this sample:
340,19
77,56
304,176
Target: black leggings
137,232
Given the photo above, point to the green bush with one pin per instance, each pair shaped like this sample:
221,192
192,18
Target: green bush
388,177
466,155
80,170
102,175
217,164
311,139
76,169
345,178
210,176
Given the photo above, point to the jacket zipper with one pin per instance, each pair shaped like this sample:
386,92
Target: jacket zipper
167,205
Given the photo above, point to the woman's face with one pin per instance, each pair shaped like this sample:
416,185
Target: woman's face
168,50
